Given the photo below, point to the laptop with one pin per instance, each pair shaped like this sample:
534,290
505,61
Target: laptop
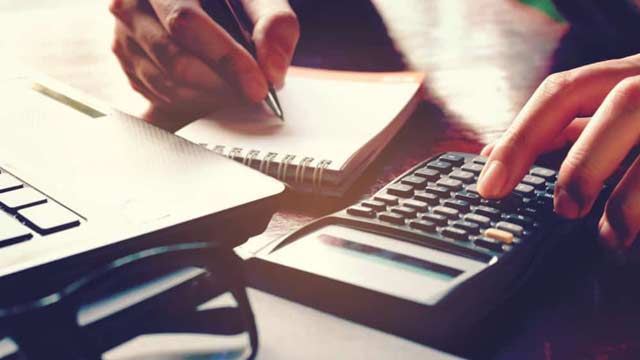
80,182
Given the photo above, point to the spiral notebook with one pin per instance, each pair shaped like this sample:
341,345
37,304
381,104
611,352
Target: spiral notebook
336,123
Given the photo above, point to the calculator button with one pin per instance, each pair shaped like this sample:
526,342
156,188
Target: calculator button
544,201
530,212
512,228
442,166
489,243
473,188
392,217
478,219
467,226
455,233
402,190
446,211
387,199
535,181
512,201
361,211
459,205
551,188
12,231
521,220
21,198
429,174
429,198
438,219
480,160
452,184
423,225
524,189
471,198
463,176
416,204
438,190
48,218
456,160
489,212
500,235
375,205
404,211
416,181
542,172
472,168
8,183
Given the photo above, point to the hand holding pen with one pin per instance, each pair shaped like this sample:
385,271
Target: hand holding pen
183,61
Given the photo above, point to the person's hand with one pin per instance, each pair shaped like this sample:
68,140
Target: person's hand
180,59
598,107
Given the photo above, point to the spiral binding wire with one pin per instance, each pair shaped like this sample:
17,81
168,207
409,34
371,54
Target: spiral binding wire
265,162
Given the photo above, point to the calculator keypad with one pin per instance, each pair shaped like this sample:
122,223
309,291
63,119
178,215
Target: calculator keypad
439,199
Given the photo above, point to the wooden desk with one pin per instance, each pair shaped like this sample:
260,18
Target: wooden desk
483,58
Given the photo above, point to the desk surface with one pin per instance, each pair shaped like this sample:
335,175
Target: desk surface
483,59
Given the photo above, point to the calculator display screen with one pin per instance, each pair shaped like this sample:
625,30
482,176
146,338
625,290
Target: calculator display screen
377,262
391,258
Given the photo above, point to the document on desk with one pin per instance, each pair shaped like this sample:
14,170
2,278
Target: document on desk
336,123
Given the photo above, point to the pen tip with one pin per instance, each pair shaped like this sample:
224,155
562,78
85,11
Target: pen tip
274,104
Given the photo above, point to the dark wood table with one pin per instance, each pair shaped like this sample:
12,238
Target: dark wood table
483,59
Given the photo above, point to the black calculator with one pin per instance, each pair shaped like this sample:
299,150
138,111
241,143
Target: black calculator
426,257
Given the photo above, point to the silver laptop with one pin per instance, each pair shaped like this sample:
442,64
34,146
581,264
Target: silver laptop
79,181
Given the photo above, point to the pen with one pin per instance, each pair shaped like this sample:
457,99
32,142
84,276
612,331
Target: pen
272,98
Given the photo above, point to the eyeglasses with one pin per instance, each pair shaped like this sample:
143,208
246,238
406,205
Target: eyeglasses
157,290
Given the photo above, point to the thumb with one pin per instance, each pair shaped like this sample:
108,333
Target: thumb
275,33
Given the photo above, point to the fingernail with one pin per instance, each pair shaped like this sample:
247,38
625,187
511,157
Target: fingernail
565,205
486,151
608,237
493,179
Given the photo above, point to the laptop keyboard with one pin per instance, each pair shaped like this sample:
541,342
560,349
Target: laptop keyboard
26,212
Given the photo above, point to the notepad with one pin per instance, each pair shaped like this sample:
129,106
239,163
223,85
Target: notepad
336,123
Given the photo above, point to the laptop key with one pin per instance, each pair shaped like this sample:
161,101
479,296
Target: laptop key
21,198
8,183
12,231
48,218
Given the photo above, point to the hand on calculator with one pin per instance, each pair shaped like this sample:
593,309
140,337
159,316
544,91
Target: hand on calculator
597,107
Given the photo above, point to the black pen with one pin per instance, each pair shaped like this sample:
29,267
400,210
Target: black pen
271,99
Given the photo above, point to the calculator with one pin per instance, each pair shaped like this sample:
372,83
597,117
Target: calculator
426,257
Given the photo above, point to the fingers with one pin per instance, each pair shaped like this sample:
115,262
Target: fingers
190,27
276,33
178,65
619,225
568,136
561,98
604,143
143,75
